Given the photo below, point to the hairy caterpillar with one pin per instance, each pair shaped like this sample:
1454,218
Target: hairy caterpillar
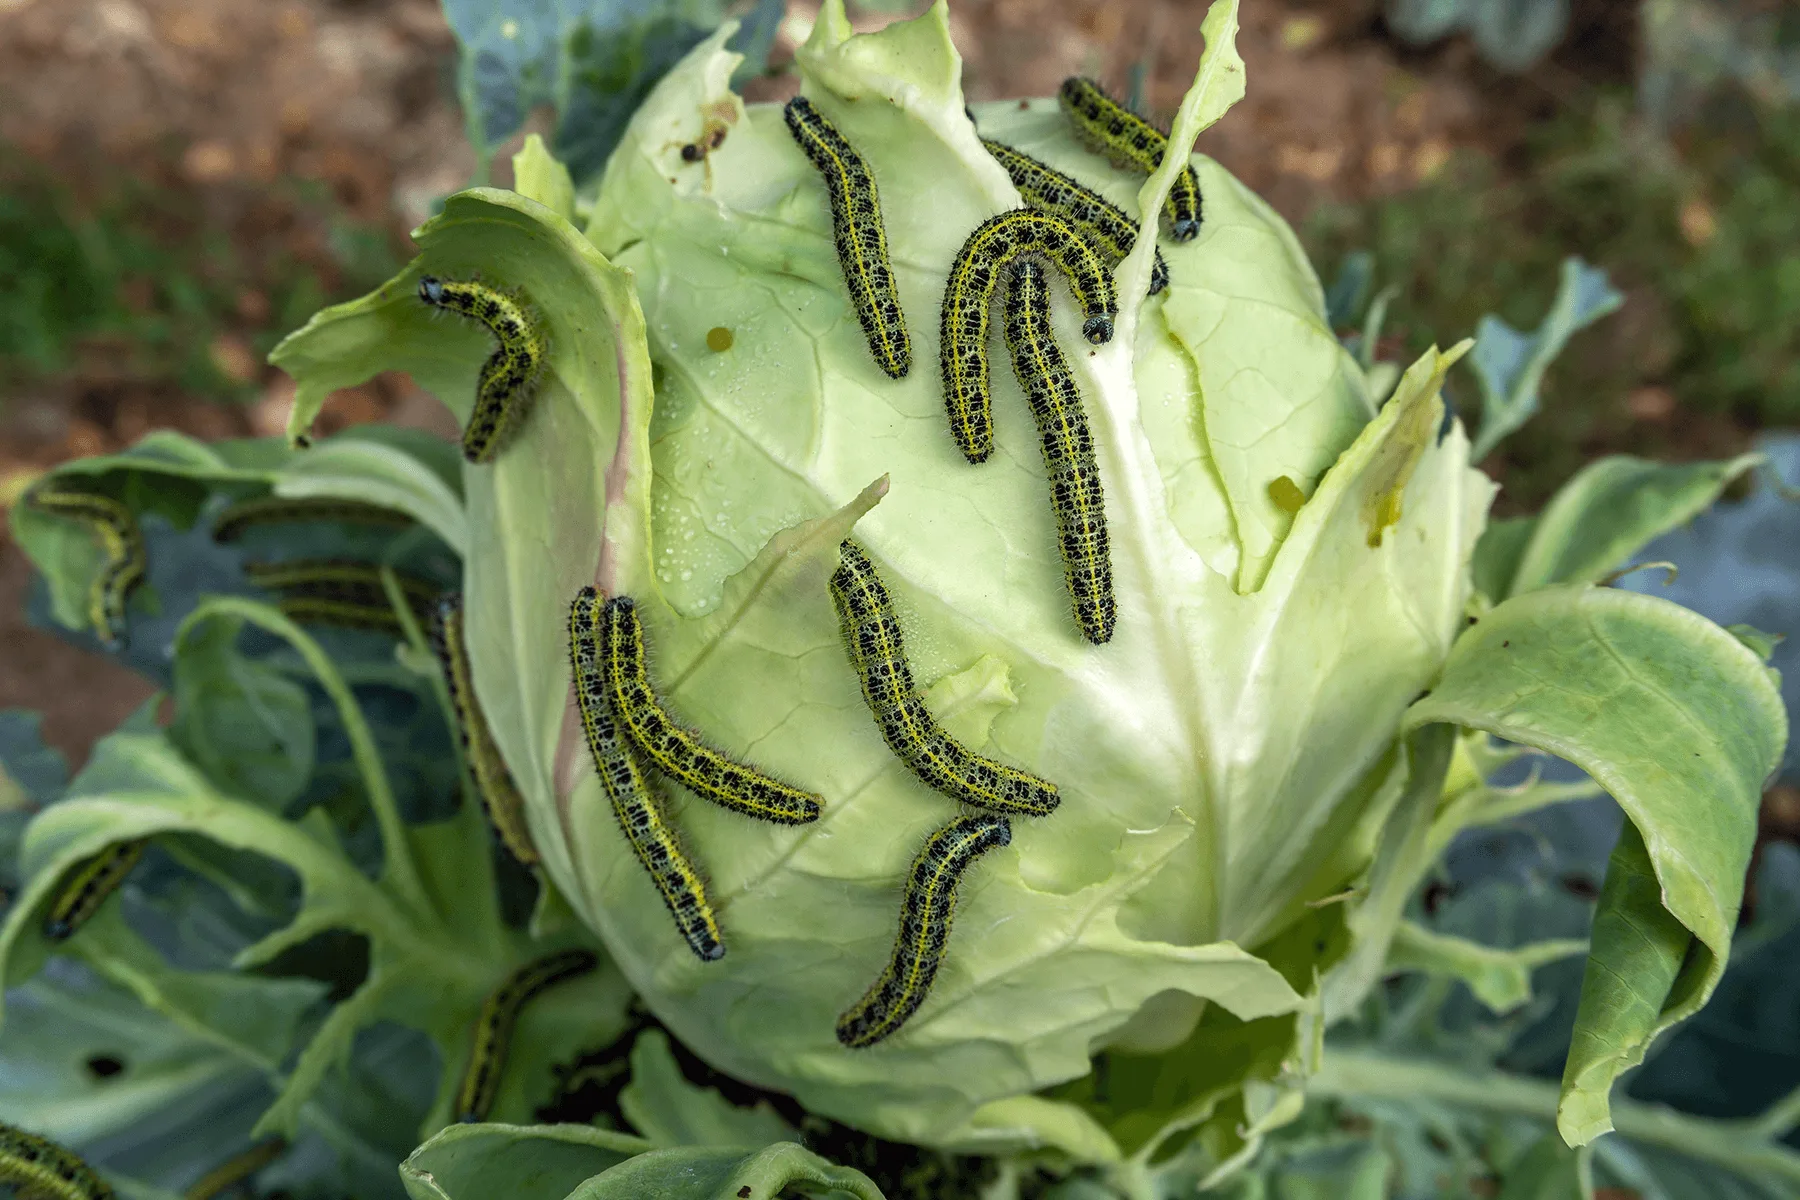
926,910
872,636
1075,492
236,1169
509,377
672,749
272,510
88,886
856,227
121,542
327,591
1102,222
43,1170
499,794
969,293
493,1029
1130,141
651,838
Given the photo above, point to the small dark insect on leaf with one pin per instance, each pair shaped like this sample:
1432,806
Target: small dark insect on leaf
692,152
104,1066
744,1192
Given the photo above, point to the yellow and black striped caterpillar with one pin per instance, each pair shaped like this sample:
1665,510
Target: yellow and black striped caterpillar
122,544
672,749
510,376
493,781
969,294
88,886
236,1169
493,1029
872,637
42,1170
857,229
652,839
1102,222
1130,141
272,510
326,591
926,910
1075,492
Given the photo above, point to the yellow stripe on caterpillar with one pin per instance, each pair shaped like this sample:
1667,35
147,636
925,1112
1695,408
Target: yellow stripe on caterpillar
1130,141
926,910
1075,492
493,781
857,229
236,1169
88,887
622,779
272,510
43,1170
672,749
493,1029
122,548
509,378
329,591
872,638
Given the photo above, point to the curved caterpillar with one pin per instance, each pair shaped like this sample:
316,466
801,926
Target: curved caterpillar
1102,222
857,229
493,1029
43,1170
88,886
872,637
327,591
651,838
672,749
122,543
271,510
969,294
1130,141
236,1169
509,377
493,782
1075,492
926,910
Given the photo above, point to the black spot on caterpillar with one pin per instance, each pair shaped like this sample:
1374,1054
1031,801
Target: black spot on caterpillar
88,886
510,376
969,293
1130,141
122,544
42,1170
926,910
872,637
1075,492
861,240
1102,222
493,782
673,750
273,510
493,1029
325,591
236,1169
642,821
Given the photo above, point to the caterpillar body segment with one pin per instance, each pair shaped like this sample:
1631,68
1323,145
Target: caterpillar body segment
1068,444
493,1028
236,1169
652,839
926,910
122,548
493,781
509,378
1102,222
42,1170
329,591
88,887
272,510
877,651
1130,141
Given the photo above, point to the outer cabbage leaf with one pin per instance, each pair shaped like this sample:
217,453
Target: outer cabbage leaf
707,1173
529,1162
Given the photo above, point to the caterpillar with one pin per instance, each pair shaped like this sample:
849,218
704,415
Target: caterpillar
1075,492
121,542
969,294
236,1169
493,1029
926,910
872,637
493,782
1102,222
651,838
327,591
509,377
1130,141
88,886
43,1170
856,227
271,510
672,749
